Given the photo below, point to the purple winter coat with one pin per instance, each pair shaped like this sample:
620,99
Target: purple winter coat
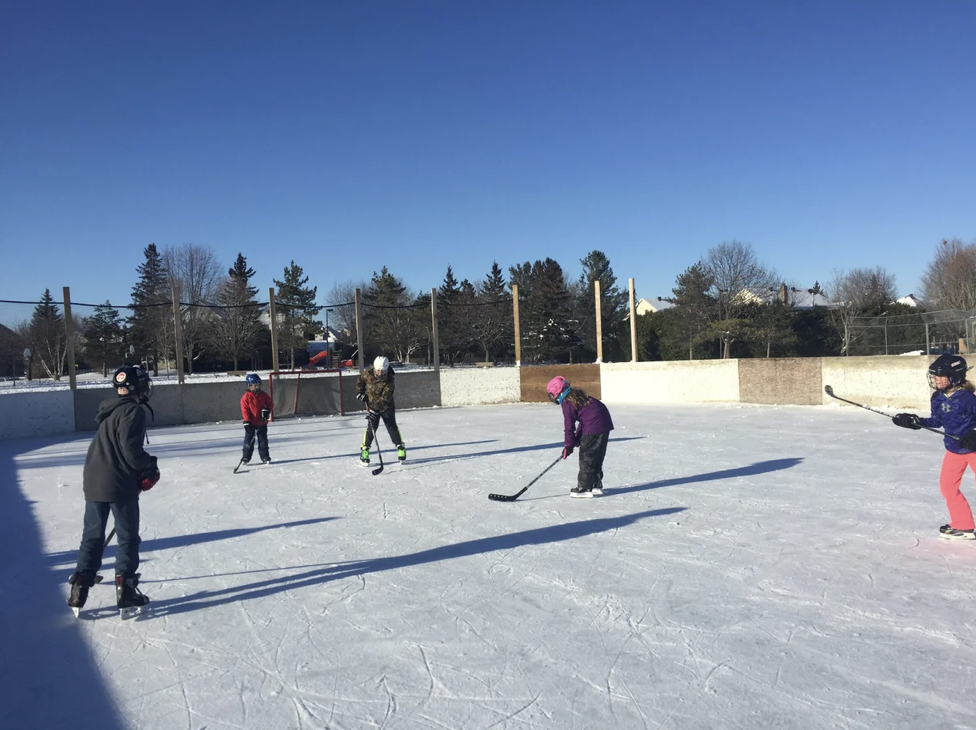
593,418
955,413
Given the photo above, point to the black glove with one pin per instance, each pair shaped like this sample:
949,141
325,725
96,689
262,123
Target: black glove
567,450
265,413
149,477
968,440
246,423
361,396
907,420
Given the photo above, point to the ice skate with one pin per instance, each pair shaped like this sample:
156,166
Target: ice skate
364,456
579,493
130,600
80,583
401,453
598,489
951,533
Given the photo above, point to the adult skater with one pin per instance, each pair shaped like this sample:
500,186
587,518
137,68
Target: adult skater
117,471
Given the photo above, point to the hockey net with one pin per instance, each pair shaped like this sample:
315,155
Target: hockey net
306,393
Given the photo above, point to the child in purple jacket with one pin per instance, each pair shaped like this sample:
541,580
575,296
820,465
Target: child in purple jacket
954,410
591,435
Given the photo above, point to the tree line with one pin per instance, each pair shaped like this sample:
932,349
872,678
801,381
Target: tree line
727,304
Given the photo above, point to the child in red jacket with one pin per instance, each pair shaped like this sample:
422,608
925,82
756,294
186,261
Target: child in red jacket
256,407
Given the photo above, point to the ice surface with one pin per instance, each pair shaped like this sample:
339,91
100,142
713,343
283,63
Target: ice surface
748,567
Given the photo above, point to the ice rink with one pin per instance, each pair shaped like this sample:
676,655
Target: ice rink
748,567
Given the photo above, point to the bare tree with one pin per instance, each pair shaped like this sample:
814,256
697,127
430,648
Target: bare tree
949,281
858,293
737,279
196,274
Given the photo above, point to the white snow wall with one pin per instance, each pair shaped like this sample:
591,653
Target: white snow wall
880,382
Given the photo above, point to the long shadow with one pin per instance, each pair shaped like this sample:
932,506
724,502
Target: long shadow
555,445
537,536
760,467
386,450
178,541
50,677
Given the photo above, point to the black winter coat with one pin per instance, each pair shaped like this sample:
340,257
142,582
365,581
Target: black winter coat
116,461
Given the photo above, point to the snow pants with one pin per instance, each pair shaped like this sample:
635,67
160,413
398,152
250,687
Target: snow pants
126,516
592,450
373,422
953,467
261,433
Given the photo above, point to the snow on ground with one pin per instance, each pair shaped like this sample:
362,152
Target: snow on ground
748,567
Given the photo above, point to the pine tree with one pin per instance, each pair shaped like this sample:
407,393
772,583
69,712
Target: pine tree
296,310
694,308
394,325
151,321
613,306
492,320
238,327
453,332
104,337
547,328
48,339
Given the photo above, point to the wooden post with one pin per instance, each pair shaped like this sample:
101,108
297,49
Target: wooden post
599,320
433,322
273,316
69,332
359,328
633,323
178,331
518,335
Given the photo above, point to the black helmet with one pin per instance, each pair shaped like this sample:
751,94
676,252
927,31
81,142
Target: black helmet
952,367
135,380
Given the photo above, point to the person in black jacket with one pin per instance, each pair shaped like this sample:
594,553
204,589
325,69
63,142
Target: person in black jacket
117,471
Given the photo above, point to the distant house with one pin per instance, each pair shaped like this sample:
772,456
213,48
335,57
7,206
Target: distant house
911,300
656,304
796,298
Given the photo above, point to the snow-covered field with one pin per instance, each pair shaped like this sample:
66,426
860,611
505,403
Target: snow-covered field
748,567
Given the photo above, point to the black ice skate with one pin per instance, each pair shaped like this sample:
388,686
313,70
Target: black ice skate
598,489
578,493
80,583
129,598
951,533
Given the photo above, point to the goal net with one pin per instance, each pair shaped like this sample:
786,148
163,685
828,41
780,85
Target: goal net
306,393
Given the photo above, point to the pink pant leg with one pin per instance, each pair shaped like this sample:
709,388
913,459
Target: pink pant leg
953,466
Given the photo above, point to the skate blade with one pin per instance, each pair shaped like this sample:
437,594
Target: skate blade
581,495
131,612
75,610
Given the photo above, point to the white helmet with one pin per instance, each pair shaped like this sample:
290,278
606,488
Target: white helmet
381,364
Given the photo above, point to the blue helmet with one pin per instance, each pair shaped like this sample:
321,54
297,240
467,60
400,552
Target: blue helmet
253,379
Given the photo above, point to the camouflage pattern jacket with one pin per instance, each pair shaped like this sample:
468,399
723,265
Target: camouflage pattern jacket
379,391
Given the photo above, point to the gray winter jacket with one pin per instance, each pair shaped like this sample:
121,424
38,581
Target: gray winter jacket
116,461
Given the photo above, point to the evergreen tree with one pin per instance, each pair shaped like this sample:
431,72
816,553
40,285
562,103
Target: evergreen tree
453,331
238,328
151,322
296,310
694,308
47,336
547,330
613,306
491,321
394,325
104,337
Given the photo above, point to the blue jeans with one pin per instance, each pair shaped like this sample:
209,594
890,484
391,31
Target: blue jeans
126,516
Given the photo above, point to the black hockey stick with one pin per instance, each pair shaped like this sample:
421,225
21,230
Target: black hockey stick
376,440
109,538
250,445
519,493
830,391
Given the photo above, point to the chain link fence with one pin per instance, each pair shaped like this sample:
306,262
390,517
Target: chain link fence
947,331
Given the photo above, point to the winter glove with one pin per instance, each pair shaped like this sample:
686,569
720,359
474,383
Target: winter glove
968,440
265,413
361,396
149,477
246,423
567,450
907,420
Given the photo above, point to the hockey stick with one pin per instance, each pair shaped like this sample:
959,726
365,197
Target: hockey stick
109,538
376,440
250,445
519,493
830,391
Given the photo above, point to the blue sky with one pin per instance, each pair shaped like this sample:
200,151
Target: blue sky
349,136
